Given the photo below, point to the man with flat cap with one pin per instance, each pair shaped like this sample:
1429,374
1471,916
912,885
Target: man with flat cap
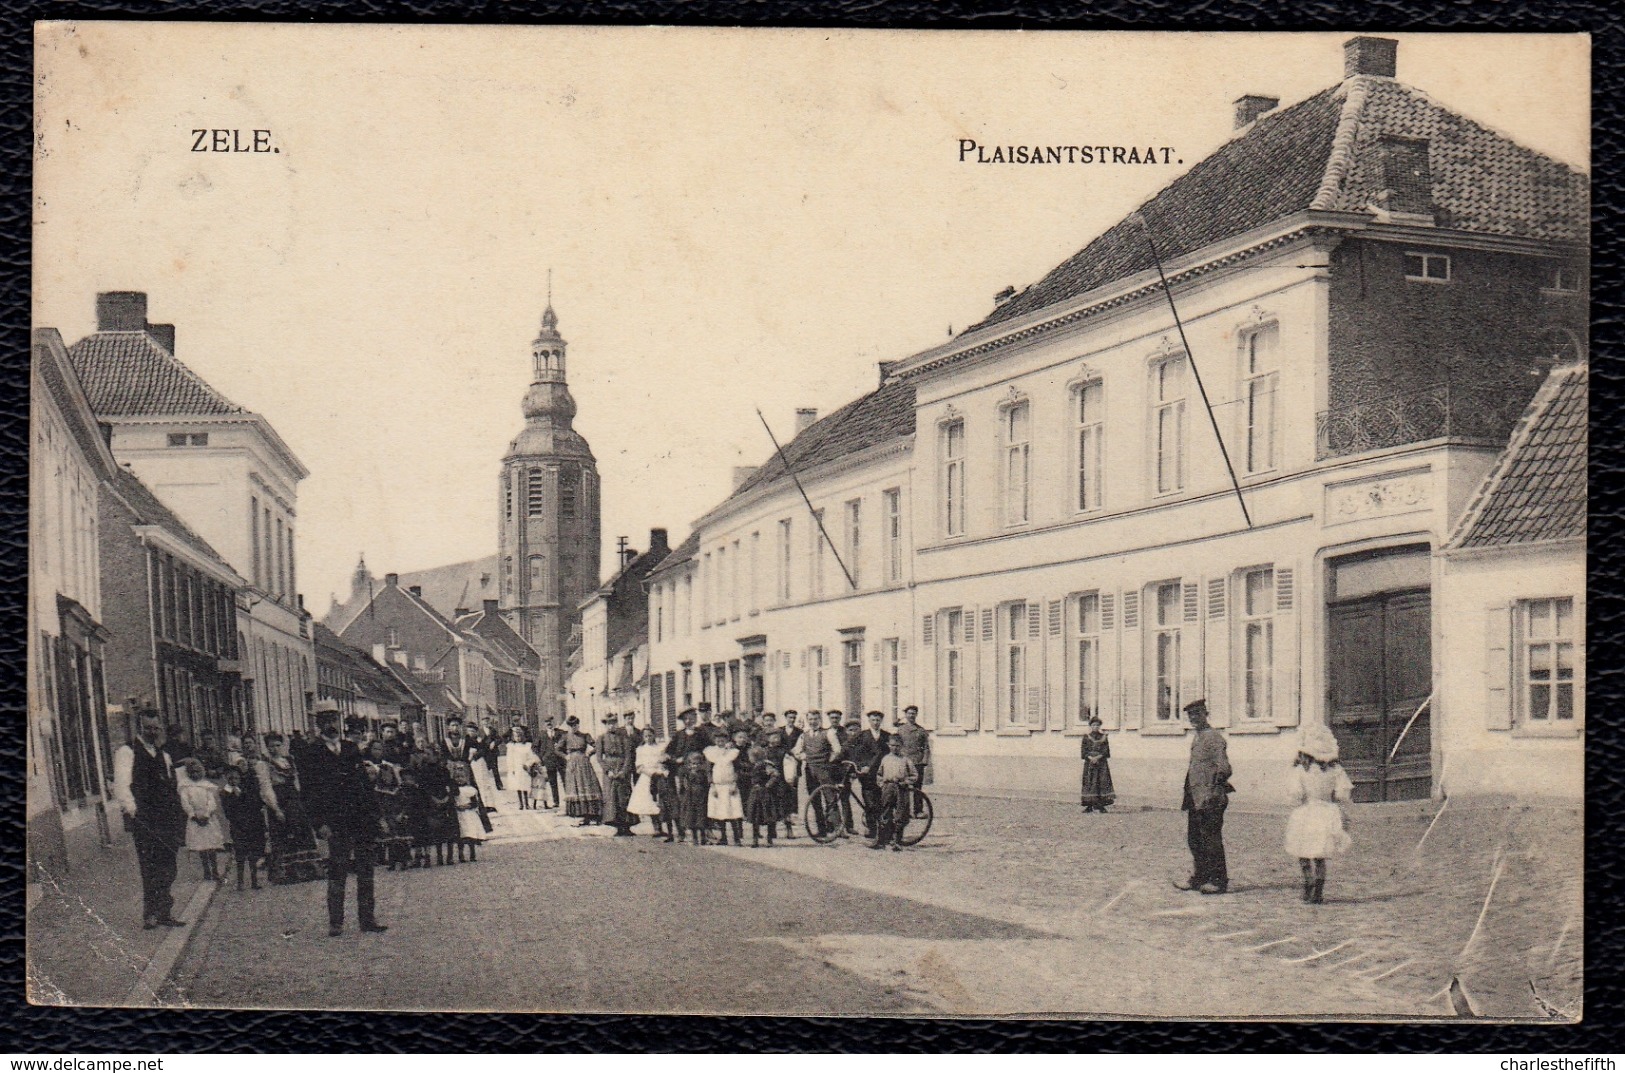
615,755
913,743
344,810
1207,794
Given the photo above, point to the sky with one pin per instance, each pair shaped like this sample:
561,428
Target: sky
733,219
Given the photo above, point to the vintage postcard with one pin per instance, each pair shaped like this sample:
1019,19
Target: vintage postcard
799,522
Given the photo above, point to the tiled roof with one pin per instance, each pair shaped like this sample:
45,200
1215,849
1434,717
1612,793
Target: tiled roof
130,373
457,585
878,417
1537,489
150,510
1324,153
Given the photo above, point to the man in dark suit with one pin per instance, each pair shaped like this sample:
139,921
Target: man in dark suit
865,748
1207,793
144,788
344,810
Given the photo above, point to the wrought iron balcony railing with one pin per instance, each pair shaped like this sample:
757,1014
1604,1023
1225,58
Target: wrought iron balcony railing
1444,411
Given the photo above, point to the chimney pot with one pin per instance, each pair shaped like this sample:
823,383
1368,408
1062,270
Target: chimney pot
657,540
1003,296
416,590
164,334
1370,56
392,580
121,311
805,417
1252,106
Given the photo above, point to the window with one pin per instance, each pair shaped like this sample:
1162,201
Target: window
1165,641
955,638
567,493
755,569
815,676
538,575
270,556
705,684
392,637
894,534
688,687
188,439
507,495
1091,437
1257,626
854,538
891,680
1017,463
707,584
734,596
507,575
1168,424
535,501
281,562
1259,364
1546,662
786,556
1013,657
254,534
852,662
953,477
659,601
1086,658
816,557
688,606
722,593
1563,278
1429,267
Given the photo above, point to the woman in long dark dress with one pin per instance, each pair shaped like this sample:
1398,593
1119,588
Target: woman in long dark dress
1098,793
583,793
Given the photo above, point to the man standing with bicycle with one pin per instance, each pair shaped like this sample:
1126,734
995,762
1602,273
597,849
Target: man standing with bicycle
819,750
897,777
865,748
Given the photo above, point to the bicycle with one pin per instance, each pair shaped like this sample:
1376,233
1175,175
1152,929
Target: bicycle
824,813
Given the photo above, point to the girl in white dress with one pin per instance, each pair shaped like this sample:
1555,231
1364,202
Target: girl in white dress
518,757
650,762
205,834
470,830
1315,831
724,805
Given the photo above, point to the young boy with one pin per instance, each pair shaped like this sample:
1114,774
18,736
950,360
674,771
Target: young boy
897,777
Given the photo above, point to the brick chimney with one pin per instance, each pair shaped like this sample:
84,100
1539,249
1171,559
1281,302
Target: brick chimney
392,580
1252,106
164,334
805,417
1370,56
121,311
490,608
657,541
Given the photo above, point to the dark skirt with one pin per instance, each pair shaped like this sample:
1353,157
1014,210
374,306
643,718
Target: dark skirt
247,818
764,805
1097,783
692,797
583,797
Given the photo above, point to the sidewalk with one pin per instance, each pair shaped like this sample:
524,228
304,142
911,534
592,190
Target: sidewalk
86,945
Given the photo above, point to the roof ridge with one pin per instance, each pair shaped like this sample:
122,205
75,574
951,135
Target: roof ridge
1357,92
1543,399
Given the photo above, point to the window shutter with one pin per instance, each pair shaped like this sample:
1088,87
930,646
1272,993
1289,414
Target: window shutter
1286,649
902,650
1216,648
787,660
1055,669
1498,668
1133,662
987,624
1108,609
987,675
928,624
1035,706
1055,618
1193,601
876,657
1035,623
1192,668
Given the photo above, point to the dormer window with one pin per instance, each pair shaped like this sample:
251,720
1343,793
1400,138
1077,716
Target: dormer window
1427,267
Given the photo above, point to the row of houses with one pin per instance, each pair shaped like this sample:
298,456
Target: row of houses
1346,486
163,572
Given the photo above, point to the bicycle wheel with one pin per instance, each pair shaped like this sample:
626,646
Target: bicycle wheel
920,825
823,813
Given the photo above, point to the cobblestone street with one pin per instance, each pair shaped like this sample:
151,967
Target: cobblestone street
1009,907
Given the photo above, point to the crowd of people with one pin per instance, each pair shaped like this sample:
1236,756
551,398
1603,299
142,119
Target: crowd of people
720,771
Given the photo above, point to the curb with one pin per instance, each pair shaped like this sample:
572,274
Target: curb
168,954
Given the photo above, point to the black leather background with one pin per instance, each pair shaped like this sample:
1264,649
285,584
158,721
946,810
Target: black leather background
37,1030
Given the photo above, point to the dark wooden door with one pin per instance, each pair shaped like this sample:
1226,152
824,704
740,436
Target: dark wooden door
1379,671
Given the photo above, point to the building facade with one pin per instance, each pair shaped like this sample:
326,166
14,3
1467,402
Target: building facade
548,501
610,671
1109,512
171,606
70,743
227,475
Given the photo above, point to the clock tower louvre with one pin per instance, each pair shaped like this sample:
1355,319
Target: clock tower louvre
548,518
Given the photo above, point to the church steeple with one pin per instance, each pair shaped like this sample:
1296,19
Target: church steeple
549,394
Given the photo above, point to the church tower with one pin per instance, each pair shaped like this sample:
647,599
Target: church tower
548,504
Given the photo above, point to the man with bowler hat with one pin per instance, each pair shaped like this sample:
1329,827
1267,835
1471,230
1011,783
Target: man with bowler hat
344,809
